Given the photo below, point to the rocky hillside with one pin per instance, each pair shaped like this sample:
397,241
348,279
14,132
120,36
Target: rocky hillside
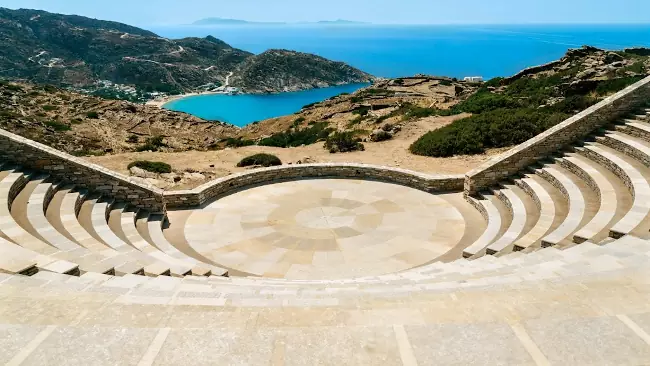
65,50
83,125
548,93
286,70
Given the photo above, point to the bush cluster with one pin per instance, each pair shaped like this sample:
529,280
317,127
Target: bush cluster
151,166
57,126
343,142
238,142
264,160
513,117
296,137
498,128
152,144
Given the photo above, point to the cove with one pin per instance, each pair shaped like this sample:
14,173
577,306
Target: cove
241,110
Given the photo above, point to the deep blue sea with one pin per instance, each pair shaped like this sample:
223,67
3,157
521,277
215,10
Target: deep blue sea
392,51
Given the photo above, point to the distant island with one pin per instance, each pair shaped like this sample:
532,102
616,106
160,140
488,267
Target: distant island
227,21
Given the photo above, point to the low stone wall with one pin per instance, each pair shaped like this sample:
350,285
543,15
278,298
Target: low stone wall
229,184
559,136
65,167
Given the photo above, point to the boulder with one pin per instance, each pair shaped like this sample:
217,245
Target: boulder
141,173
611,57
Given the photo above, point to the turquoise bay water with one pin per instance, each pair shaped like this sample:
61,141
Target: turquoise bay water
393,51
241,110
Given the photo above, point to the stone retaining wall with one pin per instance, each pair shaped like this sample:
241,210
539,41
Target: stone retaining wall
229,184
65,167
559,136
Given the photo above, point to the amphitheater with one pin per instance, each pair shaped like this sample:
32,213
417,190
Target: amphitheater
538,257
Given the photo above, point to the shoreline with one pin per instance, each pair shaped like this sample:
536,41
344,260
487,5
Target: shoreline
160,102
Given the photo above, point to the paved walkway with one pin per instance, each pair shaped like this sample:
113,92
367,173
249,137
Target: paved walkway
325,229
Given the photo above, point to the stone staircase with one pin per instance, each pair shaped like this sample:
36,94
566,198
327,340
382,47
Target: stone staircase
49,226
594,191
559,276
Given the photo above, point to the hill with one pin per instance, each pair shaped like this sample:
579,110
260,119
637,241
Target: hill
84,125
74,51
284,70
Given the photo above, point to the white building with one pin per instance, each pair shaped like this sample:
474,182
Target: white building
473,79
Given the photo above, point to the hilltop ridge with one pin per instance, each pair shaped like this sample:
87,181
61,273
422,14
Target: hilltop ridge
80,52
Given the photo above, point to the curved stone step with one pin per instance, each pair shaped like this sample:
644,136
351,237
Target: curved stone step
38,201
606,193
493,218
628,145
153,267
154,225
637,129
67,211
546,206
519,217
17,260
634,180
576,201
28,249
88,260
128,217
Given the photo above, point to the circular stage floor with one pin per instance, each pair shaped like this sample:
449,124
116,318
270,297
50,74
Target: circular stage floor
325,229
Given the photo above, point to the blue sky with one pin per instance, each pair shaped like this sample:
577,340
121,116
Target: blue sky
159,12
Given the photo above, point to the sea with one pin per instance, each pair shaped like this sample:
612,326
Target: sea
394,51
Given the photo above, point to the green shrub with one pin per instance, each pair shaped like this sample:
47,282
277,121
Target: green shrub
411,111
93,115
343,142
297,122
151,166
57,126
362,111
298,137
356,121
265,160
482,102
637,68
381,135
50,108
494,82
610,86
499,128
152,144
132,139
238,142
50,88
9,114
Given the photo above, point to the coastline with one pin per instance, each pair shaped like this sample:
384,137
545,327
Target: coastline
160,102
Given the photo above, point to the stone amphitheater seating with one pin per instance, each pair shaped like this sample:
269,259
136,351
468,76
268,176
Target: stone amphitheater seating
557,274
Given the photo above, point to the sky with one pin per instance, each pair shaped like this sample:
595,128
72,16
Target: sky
172,12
